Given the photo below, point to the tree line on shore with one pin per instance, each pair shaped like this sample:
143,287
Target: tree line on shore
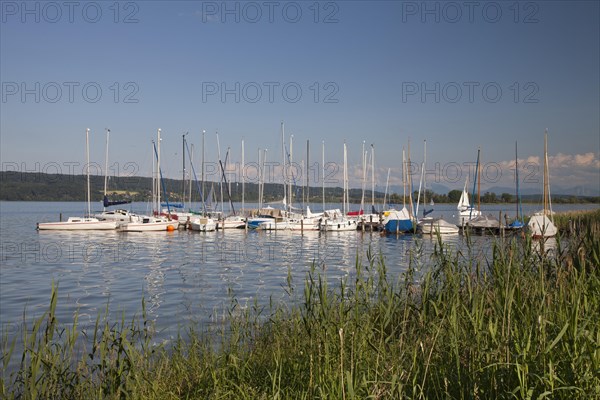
35,186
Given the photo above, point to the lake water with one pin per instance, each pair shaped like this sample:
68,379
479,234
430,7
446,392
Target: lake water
185,277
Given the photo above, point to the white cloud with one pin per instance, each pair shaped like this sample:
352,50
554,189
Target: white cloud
566,170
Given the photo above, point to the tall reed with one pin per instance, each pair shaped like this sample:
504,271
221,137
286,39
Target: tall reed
521,324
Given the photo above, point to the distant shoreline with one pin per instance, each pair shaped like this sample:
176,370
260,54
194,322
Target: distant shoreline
37,186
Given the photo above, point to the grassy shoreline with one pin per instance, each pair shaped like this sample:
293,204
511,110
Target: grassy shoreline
523,324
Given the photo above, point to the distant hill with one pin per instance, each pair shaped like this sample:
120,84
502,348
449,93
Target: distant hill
556,191
34,186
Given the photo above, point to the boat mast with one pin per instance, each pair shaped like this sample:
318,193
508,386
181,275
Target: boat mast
364,176
262,176
243,171
421,183
225,177
424,174
259,173
291,173
87,157
153,175
387,182
106,164
284,165
403,178
227,184
323,177
547,201
372,177
202,165
183,168
307,172
191,167
344,177
478,182
475,182
518,205
409,181
158,172
221,183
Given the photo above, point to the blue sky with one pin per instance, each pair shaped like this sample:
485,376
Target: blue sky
380,71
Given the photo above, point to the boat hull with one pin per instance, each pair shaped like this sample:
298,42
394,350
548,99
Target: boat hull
203,225
78,224
439,226
253,223
344,225
231,223
484,223
149,226
307,224
273,225
118,215
540,226
399,225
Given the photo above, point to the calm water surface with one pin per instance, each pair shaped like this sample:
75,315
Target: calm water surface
185,277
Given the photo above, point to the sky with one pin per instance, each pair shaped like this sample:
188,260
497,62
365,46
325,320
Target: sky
460,75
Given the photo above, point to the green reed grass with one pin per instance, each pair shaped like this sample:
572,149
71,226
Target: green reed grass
576,220
522,324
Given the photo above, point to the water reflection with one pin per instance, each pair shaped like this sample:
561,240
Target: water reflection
189,276
545,246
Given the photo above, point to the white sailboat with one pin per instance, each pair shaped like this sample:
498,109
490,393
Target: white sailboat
156,222
430,225
149,224
370,218
481,223
541,224
203,224
183,217
205,221
262,214
81,223
423,189
402,221
438,225
307,222
337,221
237,221
118,215
281,221
466,210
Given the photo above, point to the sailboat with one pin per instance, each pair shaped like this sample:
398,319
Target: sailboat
237,220
233,220
176,210
430,225
309,221
154,222
481,222
401,221
423,185
518,222
81,223
280,221
334,220
466,210
118,215
369,220
438,225
541,224
202,222
265,214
